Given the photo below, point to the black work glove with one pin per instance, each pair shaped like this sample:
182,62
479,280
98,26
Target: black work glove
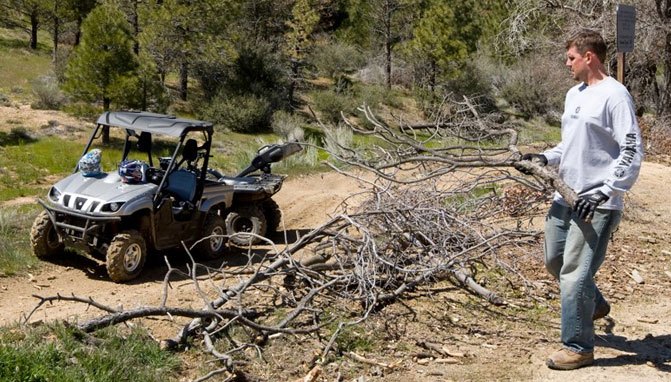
539,159
586,205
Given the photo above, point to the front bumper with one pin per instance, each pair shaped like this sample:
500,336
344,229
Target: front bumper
75,228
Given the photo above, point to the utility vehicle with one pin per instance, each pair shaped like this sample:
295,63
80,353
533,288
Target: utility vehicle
138,208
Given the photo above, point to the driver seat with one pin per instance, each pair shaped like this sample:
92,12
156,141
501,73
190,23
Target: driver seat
189,152
181,183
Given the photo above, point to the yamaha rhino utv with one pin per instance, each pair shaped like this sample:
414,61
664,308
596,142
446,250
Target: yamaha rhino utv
138,208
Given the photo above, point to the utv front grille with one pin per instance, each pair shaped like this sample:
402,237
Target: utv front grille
80,203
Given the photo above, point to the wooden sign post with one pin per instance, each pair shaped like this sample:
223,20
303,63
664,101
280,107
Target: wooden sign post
626,25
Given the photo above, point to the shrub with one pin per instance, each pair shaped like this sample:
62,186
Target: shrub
83,110
242,114
375,95
474,83
536,88
656,134
4,100
336,58
48,94
336,139
288,126
329,105
258,70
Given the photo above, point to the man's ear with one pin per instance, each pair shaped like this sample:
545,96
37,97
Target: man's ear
590,57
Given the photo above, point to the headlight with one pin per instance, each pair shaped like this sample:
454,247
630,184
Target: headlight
112,207
54,194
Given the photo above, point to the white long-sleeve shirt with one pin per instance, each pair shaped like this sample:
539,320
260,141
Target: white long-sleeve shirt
601,147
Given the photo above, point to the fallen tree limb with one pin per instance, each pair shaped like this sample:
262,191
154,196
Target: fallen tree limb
430,212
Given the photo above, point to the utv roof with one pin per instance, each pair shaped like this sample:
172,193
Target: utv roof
152,122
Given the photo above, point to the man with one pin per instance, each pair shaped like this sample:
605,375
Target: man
599,157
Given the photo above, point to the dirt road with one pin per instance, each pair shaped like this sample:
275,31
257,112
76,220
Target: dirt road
634,345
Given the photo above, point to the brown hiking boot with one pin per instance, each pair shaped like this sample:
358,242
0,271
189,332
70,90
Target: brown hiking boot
568,360
601,311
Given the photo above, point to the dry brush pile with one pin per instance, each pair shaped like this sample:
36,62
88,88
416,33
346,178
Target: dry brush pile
442,201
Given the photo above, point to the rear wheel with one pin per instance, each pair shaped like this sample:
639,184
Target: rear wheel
126,256
44,239
245,219
273,214
214,246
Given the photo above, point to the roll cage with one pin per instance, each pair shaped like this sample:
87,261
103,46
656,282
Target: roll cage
142,126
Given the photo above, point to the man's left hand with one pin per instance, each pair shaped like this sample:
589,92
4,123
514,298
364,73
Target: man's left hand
586,205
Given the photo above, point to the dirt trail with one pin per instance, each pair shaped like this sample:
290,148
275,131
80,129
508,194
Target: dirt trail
635,345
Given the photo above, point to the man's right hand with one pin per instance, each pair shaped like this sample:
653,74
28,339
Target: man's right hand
539,159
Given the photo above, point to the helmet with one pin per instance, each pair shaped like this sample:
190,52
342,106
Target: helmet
133,171
89,164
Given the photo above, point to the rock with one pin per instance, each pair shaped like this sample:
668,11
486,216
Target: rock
647,239
450,361
637,277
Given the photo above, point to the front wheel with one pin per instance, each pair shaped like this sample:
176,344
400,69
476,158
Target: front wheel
126,256
214,242
245,219
44,239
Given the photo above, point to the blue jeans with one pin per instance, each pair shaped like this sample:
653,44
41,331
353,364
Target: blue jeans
574,251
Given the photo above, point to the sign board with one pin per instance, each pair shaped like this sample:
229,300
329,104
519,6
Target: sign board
626,23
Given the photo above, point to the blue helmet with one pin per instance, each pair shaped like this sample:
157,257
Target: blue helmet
89,164
133,171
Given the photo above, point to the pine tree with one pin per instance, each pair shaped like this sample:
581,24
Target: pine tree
104,59
445,35
303,21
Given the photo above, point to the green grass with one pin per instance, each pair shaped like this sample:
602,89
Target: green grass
15,252
19,64
56,353
538,131
26,164
355,338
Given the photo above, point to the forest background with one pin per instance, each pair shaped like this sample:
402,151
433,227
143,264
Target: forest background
243,64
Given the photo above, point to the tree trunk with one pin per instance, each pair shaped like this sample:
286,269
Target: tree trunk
183,79
135,19
387,66
665,91
34,24
432,75
57,23
78,30
106,129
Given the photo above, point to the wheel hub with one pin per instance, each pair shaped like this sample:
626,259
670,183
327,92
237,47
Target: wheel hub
243,225
217,239
132,257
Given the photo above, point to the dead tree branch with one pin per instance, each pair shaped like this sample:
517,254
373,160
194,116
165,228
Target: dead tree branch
437,207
